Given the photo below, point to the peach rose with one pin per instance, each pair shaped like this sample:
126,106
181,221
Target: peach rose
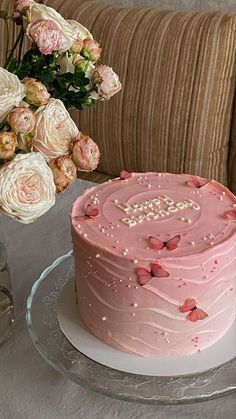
8,144
54,130
21,120
41,11
77,46
27,188
64,172
86,153
12,91
36,92
91,49
46,34
106,80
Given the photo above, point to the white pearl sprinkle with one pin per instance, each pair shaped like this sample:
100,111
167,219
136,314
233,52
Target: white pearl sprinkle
133,314
135,305
182,219
189,221
97,255
204,238
129,286
211,243
78,225
116,201
192,243
135,261
85,235
125,253
223,193
104,318
89,305
149,185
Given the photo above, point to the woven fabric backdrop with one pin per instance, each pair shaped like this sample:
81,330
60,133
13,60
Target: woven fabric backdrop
174,112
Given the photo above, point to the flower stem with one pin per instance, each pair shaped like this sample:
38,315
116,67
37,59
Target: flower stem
7,38
10,56
20,45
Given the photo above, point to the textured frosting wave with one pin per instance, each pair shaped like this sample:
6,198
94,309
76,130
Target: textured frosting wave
146,320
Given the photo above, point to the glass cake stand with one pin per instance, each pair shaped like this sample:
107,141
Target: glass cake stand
68,361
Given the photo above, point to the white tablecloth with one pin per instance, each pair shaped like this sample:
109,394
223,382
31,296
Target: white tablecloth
29,387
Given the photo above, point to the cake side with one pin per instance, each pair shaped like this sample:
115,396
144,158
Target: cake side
110,256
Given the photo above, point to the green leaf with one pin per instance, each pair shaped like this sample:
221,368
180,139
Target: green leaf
68,77
3,14
12,65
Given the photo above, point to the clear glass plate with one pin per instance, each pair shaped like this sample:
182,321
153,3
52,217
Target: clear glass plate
68,361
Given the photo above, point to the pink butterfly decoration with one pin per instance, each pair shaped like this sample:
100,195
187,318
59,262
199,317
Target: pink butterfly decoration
195,183
170,244
231,215
90,213
195,312
123,176
144,275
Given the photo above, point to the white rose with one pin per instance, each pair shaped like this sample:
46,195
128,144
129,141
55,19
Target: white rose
54,130
40,11
12,92
82,32
27,189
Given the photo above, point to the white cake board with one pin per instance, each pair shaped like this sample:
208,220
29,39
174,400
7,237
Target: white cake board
79,336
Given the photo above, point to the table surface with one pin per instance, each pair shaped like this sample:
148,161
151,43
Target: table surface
29,387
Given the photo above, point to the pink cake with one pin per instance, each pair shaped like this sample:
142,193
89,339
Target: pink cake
155,262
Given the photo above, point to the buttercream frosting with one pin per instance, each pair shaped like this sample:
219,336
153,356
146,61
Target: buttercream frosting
114,227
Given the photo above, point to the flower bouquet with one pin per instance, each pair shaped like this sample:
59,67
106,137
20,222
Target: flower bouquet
41,148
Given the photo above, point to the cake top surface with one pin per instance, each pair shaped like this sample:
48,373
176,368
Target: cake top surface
156,215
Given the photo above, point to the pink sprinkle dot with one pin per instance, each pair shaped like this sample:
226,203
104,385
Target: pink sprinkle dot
216,261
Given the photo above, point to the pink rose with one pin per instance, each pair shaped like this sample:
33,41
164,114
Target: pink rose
8,144
91,49
36,92
86,153
106,80
46,34
21,120
64,172
22,5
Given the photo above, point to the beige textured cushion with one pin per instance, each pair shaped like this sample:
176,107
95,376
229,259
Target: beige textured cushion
178,73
